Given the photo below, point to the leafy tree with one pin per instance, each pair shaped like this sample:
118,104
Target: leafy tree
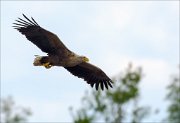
10,113
112,105
173,97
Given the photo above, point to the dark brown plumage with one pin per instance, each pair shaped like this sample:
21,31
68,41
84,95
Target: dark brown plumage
60,55
91,74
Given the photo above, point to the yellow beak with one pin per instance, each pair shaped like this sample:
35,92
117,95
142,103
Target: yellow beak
86,59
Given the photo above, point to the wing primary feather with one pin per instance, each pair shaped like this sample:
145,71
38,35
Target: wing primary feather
16,26
20,24
26,22
102,85
97,85
23,22
92,84
29,20
34,21
106,85
111,81
109,84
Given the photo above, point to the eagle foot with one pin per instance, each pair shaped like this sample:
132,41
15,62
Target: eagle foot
47,65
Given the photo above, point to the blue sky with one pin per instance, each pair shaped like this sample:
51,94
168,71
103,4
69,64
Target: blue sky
110,34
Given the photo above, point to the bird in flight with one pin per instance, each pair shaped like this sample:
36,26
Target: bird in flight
59,55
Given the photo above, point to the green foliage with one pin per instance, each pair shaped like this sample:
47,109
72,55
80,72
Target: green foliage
139,113
110,105
11,113
82,117
174,98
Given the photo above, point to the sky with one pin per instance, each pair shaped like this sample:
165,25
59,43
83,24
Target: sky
110,33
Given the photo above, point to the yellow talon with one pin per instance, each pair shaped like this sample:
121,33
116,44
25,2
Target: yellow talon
47,65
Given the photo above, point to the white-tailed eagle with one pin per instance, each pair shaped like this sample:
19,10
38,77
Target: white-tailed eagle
59,55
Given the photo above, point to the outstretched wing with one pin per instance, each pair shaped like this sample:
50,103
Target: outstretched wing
91,74
45,40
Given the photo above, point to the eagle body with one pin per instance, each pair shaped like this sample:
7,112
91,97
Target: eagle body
54,60
59,55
